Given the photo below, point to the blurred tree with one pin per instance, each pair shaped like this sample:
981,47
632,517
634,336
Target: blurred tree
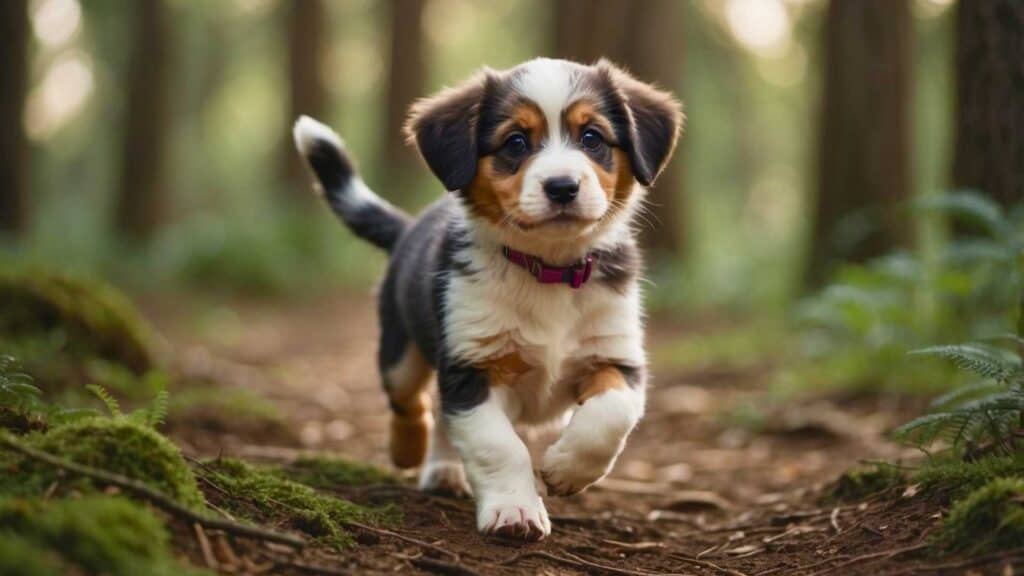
864,146
14,209
989,115
646,37
143,196
405,83
306,23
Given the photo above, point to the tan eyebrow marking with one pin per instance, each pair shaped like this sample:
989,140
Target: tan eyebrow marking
584,113
524,116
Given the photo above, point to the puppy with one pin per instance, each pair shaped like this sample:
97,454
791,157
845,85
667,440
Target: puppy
520,287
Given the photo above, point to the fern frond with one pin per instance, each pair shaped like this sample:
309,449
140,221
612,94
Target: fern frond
984,361
157,413
113,406
962,394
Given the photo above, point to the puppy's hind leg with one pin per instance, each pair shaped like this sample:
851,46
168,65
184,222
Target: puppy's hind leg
405,374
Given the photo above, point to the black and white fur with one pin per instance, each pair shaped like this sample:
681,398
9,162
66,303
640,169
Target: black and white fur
452,303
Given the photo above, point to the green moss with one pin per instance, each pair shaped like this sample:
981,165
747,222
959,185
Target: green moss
962,478
861,483
44,313
20,555
326,472
990,518
97,534
116,445
288,502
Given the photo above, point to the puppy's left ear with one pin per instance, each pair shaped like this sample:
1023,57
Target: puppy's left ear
654,117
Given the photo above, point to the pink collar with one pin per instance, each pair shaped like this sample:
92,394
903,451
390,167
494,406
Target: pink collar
575,275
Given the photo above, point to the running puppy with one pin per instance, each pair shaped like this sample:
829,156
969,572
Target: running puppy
520,286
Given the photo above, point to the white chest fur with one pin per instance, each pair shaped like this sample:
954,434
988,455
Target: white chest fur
538,339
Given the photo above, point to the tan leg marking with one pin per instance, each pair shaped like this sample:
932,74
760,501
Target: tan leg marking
604,379
411,418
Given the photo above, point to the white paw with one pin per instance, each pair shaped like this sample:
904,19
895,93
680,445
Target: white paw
444,477
521,517
566,473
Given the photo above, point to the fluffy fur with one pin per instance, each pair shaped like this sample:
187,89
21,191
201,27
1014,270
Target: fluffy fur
549,158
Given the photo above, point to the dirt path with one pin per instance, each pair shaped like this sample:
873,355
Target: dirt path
692,494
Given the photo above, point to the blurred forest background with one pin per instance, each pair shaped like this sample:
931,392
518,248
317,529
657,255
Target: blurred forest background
148,142
835,250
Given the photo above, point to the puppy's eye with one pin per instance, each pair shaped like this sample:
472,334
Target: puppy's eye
516,144
591,140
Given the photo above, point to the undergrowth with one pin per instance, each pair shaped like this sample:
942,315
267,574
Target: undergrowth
267,495
53,521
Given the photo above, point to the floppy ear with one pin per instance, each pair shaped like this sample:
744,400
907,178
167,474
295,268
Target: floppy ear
444,129
654,117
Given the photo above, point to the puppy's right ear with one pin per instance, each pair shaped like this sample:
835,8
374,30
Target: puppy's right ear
444,129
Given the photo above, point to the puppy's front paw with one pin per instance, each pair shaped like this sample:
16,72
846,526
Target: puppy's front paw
444,477
511,516
566,472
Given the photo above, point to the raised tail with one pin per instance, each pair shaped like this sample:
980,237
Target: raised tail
369,216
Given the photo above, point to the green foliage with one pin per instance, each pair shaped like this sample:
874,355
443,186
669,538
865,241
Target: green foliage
985,413
960,478
990,518
22,408
856,331
860,483
327,473
117,445
47,312
113,407
95,534
289,502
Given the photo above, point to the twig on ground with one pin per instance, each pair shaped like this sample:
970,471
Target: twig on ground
887,554
204,545
439,567
834,520
409,539
576,562
314,568
706,564
155,497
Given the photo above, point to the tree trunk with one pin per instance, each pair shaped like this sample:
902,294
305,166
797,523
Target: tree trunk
14,210
989,117
864,146
143,198
405,83
646,37
307,95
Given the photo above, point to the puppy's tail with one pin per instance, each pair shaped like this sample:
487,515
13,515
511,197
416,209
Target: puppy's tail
369,216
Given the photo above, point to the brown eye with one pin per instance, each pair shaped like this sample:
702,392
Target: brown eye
591,140
516,144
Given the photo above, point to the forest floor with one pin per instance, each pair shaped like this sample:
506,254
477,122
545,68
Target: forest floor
695,492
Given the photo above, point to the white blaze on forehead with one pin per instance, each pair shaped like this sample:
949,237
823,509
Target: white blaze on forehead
549,84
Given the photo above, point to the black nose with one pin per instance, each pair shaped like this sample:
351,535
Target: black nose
561,190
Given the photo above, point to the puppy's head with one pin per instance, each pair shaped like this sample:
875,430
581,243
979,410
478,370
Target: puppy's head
550,147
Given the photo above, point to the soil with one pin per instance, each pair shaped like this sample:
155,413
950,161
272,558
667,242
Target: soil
691,494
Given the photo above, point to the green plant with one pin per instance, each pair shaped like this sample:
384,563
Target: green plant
984,415
856,331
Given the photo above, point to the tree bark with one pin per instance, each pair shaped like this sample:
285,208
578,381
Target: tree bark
989,117
143,196
14,205
864,146
644,36
306,25
405,83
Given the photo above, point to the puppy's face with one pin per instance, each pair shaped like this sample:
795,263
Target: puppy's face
548,148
